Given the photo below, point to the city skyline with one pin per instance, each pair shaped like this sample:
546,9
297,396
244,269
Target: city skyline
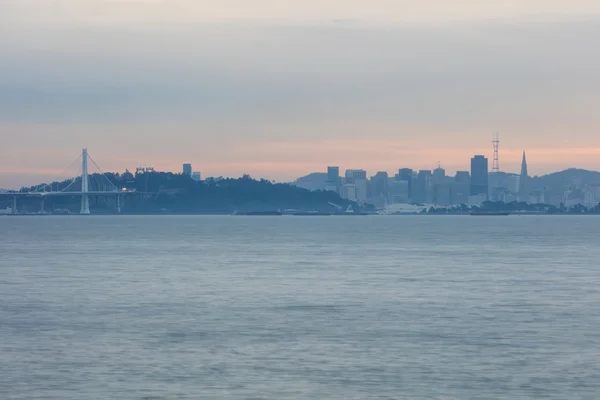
511,167
277,91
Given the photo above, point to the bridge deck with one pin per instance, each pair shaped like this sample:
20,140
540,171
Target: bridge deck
45,194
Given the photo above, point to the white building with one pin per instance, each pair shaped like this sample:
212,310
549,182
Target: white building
591,196
402,209
196,176
349,192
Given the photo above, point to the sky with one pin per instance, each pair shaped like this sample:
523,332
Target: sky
282,89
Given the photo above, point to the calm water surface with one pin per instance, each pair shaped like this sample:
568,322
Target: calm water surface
299,307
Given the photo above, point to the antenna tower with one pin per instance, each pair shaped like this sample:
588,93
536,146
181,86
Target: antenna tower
496,143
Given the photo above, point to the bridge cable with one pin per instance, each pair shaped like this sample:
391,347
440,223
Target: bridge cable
72,180
45,185
103,174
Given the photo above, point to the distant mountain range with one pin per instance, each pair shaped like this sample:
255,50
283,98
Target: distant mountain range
565,178
560,179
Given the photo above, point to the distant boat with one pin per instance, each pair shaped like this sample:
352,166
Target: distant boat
492,213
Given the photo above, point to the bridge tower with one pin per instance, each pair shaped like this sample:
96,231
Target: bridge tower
85,201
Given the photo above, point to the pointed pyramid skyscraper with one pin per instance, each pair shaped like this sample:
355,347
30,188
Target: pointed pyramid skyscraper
524,179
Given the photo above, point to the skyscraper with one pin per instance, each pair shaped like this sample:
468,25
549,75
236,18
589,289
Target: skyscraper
462,187
406,174
333,179
479,175
439,174
187,169
524,181
379,184
333,175
422,190
352,175
358,178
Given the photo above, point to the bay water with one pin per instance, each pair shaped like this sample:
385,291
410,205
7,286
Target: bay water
364,307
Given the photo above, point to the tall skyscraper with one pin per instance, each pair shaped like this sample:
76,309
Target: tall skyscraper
358,178
406,174
439,174
443,193
479,175
333,179
397,191
524,180
187,169
462,187
352,175
333,174
422,190
379,184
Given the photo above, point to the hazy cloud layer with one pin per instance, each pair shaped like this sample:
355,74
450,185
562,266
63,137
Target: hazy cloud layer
160,83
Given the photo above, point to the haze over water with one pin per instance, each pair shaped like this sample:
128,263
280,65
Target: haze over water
168,307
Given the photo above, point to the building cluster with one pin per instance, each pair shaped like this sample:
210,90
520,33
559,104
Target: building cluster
577,193
195,175
434,187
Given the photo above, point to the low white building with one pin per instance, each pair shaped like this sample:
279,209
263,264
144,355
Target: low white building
403,208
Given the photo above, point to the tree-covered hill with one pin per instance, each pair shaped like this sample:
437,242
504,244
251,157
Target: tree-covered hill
168,192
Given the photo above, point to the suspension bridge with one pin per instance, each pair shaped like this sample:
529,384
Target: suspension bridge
82,184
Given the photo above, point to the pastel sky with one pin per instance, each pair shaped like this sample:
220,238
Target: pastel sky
282,88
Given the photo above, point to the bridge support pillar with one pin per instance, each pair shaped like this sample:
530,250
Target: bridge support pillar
85,200
85,204
42,211
14,207
118,203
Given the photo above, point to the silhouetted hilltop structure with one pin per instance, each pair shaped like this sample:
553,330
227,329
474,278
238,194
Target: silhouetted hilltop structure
177,193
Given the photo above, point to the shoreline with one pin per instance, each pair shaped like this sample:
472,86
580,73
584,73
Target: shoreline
292,215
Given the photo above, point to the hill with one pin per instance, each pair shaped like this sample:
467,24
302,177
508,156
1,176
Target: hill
314,181
562,179
180,194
